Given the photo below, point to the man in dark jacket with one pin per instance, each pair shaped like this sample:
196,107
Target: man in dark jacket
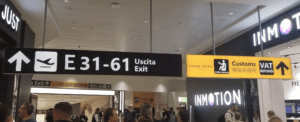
165,114
97,116
146,113
130,115
62,112
49,117
171,116
83,117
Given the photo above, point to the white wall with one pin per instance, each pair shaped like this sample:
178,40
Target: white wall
271,96
128,98
292,92
273,93
173,99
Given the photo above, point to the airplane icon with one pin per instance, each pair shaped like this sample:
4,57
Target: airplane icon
45,61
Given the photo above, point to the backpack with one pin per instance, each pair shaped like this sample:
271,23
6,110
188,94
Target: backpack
172,117
222,117
129,117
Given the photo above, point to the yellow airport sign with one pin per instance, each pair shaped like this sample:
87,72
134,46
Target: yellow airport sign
208,66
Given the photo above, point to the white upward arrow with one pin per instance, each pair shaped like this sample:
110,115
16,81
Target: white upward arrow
19,57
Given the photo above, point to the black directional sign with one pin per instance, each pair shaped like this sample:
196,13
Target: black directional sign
48,61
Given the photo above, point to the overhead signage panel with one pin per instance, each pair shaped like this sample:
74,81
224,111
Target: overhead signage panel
70,84
202,66
47,61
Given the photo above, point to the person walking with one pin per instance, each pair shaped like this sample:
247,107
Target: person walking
230,116
273,117
171,116
165,115
25,112
62,112
129,115
183,115
146,113
110,116
5,114
83,117
97,116
49,117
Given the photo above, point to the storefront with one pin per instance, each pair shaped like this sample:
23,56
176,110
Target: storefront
281,39
14,32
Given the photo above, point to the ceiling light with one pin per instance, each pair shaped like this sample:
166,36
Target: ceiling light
70,91
146,21
199,35
67,1
270,52
231,13
74,27
115,5
289,47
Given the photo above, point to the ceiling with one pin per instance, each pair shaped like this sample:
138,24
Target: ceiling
48,101
179,26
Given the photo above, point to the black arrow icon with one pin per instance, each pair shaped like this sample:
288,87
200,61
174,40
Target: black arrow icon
282,66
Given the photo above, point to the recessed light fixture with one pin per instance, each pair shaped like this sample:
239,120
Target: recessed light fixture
288,47
115,5
67,1
231,13
146,21
74,27
199,35
70,91
270,52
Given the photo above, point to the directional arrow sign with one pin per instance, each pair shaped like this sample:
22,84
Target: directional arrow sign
217,66
282,66
47,83
19,57
50,61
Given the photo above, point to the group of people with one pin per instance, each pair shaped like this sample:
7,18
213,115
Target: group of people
25,113
233,116
62,112
66,114
168,115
